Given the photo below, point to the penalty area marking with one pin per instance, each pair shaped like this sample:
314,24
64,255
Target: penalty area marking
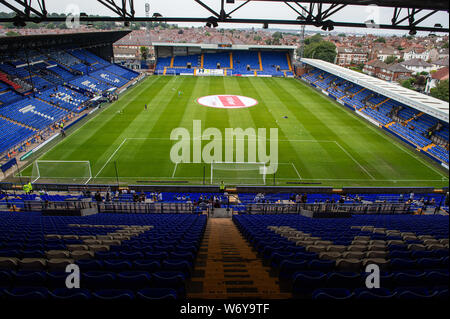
349,155
292,164
296,171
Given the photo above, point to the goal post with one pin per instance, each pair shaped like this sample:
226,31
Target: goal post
249,173
46,171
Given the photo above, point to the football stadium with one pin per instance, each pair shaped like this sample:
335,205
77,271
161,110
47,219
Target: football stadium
219,169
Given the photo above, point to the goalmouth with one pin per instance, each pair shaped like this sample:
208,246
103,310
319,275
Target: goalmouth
249,173
76,172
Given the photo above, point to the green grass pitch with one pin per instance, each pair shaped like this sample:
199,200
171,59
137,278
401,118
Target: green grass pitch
321,143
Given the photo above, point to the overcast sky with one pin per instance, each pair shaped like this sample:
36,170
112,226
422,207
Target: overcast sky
257,9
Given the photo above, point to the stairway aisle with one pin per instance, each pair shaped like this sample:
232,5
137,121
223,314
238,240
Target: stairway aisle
226,267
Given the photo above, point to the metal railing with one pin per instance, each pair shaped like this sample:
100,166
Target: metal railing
373,208
187,208
145,208
37,206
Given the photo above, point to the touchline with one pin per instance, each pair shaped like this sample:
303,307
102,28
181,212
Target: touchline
211,152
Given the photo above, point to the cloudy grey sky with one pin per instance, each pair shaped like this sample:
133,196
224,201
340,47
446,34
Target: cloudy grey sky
257,9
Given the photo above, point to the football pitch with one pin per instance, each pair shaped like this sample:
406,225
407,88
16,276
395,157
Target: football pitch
320,143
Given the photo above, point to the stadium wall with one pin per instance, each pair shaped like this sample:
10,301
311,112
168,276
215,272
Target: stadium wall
239,189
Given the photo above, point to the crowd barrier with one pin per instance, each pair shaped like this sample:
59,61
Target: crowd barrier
186,208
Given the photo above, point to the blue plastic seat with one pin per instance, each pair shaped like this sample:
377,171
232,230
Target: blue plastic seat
133,279
157,294
27,293
168,279
98,279
376,293
289,267
113,294
30,278
406,279
177,265
116,265
56,279
415,293
431,263
150,265
332,293
344,280
306,282
402,264
322,265
6,278
89,265
70,294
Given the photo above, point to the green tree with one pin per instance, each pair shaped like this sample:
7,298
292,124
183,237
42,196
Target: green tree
440,91
381,40
277,35
390,59
408,83
12,34
322,50
257,38
144,52
315,38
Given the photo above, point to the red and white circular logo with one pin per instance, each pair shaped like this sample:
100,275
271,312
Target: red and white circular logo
227,101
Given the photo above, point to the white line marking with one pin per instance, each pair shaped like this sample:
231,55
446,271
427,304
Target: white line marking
349,155
289,178
390,138
174,169
295,168
284,140
79,128
112,155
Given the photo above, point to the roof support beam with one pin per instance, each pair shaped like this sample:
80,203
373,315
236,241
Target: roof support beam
317,13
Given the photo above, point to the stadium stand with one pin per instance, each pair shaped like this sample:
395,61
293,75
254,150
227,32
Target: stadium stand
419,129
65,98
33,113
108,77
154,256
12,134
49,73
324,259
240,62
146,256
90,84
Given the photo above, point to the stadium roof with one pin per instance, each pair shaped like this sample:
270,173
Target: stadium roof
424,103
37,41
436,4
212,46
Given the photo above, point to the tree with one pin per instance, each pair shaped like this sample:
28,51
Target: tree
390,59
408,83
315,38
12,34
342,35
277,35
381,40
322,50
144,52
257,38
440,91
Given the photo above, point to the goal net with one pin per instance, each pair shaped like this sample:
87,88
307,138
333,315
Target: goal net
75,172
238,173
